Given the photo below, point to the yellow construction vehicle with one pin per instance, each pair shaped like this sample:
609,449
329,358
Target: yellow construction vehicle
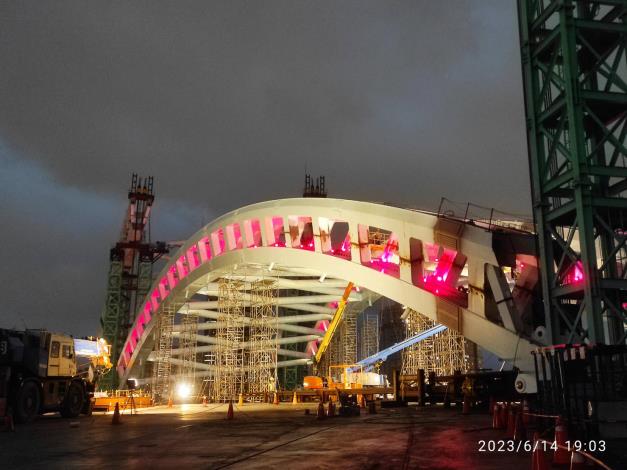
345,377
337,317
342,376
44,372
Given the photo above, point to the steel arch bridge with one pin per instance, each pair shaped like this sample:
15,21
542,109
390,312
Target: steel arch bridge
445,268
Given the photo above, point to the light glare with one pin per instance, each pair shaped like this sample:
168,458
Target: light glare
183,390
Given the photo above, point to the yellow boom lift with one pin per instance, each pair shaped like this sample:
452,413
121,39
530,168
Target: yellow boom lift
339,313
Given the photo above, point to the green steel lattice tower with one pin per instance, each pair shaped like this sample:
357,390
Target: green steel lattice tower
130,272
575,78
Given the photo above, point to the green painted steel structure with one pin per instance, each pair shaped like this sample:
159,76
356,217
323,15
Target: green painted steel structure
111,319
130,272
291,377
575,76
119,310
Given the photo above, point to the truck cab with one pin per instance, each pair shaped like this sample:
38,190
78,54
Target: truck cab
61,357
39,374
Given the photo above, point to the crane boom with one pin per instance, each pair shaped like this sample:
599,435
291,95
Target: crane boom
383,355
337,317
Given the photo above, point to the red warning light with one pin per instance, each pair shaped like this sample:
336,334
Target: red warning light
575,274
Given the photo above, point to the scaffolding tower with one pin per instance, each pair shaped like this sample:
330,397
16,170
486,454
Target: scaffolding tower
443,353
332,356
262,353
187,344
369,337
161,387
348,336
208,382
229,373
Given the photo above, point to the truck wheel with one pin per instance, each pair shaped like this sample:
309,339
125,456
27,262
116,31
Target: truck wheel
27,402
88,407
73,401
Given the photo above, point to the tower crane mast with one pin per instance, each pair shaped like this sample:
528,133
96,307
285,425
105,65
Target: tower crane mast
574,62
130,270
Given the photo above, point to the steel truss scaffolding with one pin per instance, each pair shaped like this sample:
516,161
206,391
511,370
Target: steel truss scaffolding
343,346
443,353
161,386
229,374
332,356
188,343
208,382
369,338
575,75
348,336
262,355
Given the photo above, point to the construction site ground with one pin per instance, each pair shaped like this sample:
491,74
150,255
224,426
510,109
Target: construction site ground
259,436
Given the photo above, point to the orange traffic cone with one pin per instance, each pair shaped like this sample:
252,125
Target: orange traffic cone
511,422
520,433
295,399
204,400
320,414
240,401
561,455
116,414
8,421
577,462
526,417
276,398
496,416
503,415
538,458
229,413
331,410
466,407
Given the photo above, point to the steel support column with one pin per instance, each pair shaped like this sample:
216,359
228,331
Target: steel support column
575,77
112,319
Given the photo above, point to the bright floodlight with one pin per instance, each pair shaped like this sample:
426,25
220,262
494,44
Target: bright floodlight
183,390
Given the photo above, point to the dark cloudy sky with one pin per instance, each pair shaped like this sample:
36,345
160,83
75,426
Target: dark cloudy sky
225,103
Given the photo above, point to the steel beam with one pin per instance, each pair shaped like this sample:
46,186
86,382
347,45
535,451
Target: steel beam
280,326
287,319
303,299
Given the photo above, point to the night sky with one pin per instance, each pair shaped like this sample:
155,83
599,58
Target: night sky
226,103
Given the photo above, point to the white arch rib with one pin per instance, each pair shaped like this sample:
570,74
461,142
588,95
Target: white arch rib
475,243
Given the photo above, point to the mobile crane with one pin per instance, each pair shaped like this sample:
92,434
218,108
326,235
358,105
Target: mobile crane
43,372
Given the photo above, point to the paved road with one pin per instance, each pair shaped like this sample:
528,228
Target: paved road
260,436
